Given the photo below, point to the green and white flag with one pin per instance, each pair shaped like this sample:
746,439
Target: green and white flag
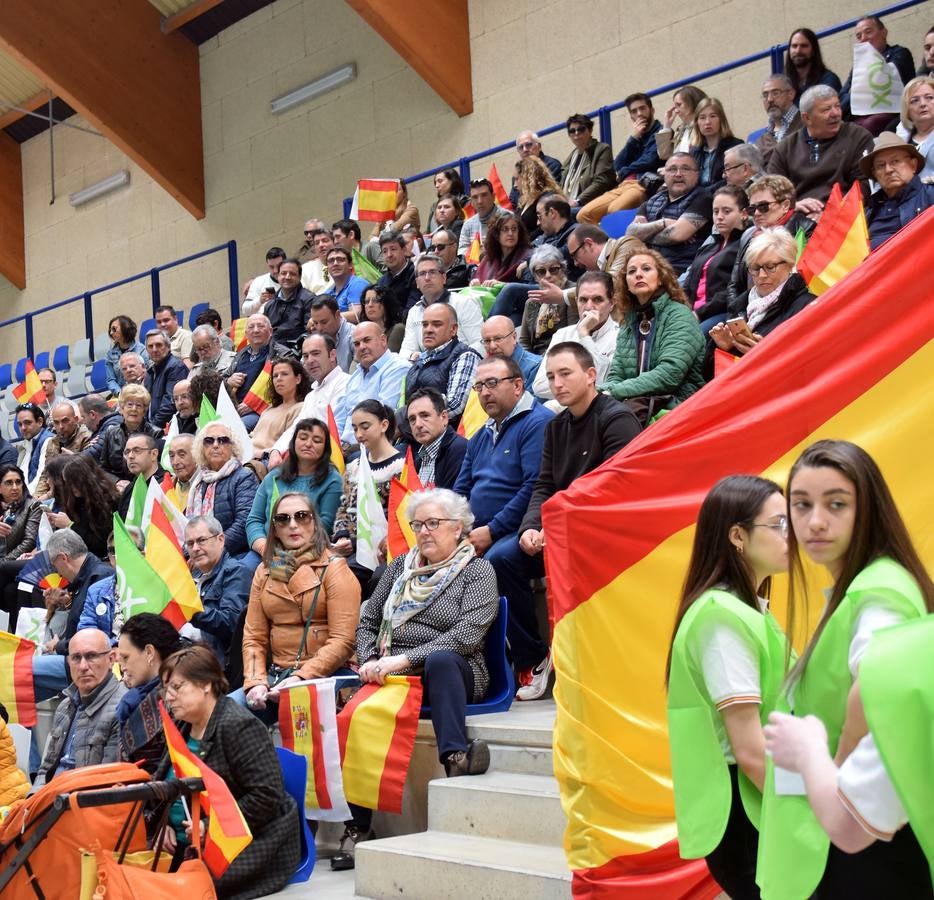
139,586
372,527
484,297
876,87
170,434
364,268
136,511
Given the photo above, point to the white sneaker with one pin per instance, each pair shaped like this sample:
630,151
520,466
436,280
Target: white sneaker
538,686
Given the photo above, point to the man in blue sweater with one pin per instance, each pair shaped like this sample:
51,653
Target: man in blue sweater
497,477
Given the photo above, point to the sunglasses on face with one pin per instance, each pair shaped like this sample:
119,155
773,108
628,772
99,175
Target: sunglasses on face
540,271
577,130
763,207
300,517
221,440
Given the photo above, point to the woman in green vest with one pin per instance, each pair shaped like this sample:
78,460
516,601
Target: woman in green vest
844,518
724,671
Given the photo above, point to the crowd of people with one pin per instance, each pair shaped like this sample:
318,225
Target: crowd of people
589,339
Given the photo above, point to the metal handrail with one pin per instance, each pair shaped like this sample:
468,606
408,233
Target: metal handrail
602,115
155,290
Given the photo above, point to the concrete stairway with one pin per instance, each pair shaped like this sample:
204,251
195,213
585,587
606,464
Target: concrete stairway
496,836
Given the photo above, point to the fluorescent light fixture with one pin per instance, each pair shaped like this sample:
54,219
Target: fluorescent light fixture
86,195
315,88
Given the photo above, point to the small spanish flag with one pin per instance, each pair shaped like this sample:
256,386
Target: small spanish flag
375,200
839,243
409,475
238,332
473,418
337,454
259,396
171,494
376,730
499,192
400,537
228,833
16,688
30,391
473,253
164,554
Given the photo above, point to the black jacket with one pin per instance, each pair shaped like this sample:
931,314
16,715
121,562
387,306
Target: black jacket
722,262
450,456
124,507
160,382
92,569
289,317
401,292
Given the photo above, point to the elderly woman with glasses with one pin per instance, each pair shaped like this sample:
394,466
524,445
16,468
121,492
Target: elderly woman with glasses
222,487
541,320
133,404
303,608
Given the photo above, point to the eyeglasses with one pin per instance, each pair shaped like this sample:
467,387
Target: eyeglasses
309,231
135,451
175,688
767,268
555,269
738,165
775,92
780,525
488,342
429,524
425,273
77,658
491,383
573,253
578,130
678,170
200,541
300,517
525,145
221,440
763,206
435,248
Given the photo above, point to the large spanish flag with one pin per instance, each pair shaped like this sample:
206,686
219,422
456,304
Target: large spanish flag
16,688
856,365
374,200
228,833
376,730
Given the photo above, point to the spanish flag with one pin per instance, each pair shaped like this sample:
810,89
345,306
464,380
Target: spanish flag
165,556
238,332
170,491
401,538
31,390
839,243
499,192
474,252
473,418
16,689
855,365
337,454
228,833
259,396
374,200
376,730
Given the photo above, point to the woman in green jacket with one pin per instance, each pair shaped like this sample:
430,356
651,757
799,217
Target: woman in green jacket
844,517
660,348
725,668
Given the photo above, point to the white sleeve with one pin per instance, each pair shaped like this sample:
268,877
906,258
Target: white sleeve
729,666
469,323
867,792
410,343
871,619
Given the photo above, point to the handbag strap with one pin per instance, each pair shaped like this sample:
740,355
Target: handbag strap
311,615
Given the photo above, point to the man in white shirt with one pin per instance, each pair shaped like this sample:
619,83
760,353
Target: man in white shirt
254,301
596,330
328,382
431,280
315,276
179,338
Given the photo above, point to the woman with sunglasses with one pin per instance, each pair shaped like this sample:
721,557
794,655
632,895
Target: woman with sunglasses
222,487
303,608
725,666
844,518
588,172
541,320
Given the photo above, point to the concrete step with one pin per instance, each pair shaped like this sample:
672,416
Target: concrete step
523,760
437,865
501,805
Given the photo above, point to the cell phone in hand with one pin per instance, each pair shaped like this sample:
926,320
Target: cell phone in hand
739,326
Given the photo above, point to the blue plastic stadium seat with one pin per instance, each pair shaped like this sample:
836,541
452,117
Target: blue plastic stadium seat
615,224
196,311
180,317
97,377
42,360
20,370
502,688
6,376
60,359
295,774
146,327
755,135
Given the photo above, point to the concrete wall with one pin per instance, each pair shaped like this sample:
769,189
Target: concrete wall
534,62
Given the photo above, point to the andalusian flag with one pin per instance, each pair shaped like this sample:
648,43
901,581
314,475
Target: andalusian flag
135,511
377,734
259,396
308,725
334,435
164,554
238,332
31,390
484,297
228,834
855,365
372,526
474,417
374,200
839,243
16,689
474,252
364,268
499,192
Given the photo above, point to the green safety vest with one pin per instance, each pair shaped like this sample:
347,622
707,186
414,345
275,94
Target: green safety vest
792,845
699,769
896,683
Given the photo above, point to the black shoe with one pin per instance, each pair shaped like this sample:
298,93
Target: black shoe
344,858
475,760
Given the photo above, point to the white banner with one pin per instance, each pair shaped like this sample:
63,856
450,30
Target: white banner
876,87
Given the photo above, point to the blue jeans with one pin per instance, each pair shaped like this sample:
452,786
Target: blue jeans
49,677
249,420
707,324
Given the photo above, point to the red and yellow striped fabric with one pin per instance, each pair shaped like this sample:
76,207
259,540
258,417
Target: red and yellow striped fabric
31,390
165,556
337,454
855,365
376,730
474,417
375,200
259,396
474,251
238,332
400,538
499,192
16,690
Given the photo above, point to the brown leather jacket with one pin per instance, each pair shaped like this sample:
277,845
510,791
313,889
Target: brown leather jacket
276,615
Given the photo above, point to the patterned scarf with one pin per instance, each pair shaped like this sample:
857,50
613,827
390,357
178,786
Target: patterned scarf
202,503
144,727
284,563
757,306
419,584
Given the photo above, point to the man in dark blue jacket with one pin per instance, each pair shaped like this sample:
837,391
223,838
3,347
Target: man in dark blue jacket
165,371
441,449
497,477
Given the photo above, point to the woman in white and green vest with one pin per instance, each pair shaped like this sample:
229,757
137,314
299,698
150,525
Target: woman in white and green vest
844,518
724,671
886,781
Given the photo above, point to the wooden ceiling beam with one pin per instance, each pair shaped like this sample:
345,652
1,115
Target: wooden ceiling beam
444,63
12,227
110,62
188,14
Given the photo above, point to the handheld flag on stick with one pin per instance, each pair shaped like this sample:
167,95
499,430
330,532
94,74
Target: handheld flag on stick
400,538
170,434
473,252
371,519
337,454
16,687
164,554
31,390
136,510
227,413
259,396
499,192
228,833
484,297
473,418
155,495
374,200
139,586
238,332
207,413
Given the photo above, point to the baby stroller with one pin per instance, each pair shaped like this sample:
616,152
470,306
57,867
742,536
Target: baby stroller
45,836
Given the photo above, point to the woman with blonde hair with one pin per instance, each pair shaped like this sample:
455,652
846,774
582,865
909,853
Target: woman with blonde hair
533,180
711,137
917,120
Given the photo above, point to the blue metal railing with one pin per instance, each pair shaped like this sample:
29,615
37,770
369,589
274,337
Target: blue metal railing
775,54
155,290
